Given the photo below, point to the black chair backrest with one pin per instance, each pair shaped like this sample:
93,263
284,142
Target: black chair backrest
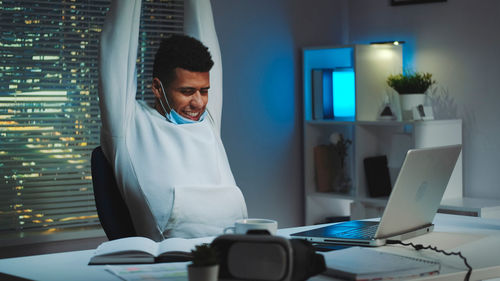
111,208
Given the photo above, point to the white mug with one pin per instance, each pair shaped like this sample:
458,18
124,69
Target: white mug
242,226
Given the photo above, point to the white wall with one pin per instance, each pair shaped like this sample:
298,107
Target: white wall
458,42
260,43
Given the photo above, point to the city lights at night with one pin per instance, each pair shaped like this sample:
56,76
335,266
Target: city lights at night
49,112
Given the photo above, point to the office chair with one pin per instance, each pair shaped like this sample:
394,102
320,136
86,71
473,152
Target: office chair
113,213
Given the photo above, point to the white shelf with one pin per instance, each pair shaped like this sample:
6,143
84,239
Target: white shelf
379,201
466,206
476,207
379,123
332,195
370,137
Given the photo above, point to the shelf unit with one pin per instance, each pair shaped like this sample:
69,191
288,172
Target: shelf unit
390,138
371,65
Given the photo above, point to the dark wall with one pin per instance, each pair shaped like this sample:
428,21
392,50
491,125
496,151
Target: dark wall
260,43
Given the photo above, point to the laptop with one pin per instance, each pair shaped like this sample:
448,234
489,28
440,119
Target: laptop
412,204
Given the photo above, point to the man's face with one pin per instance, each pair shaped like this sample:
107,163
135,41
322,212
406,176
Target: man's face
187,94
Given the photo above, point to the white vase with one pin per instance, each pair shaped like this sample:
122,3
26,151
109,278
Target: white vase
203,273
408,102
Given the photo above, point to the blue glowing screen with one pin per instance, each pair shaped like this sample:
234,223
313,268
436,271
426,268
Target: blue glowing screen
344,100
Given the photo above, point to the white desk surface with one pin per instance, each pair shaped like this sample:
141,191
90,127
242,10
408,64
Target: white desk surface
478,239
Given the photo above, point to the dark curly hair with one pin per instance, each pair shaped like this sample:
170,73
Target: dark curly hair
180,51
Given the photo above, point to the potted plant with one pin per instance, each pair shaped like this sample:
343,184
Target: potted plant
205,266
340,145
411,87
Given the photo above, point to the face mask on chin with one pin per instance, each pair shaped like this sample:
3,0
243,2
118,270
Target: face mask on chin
176,118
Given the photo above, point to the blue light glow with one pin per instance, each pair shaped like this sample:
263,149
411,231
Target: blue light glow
344,101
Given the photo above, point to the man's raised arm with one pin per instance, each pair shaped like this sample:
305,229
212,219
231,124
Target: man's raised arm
117,65
199,23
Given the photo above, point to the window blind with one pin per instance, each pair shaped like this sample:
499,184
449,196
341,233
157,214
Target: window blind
49,113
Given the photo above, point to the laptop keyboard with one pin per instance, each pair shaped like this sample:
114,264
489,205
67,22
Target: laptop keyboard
366,232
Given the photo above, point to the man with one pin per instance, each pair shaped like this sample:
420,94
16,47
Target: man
183,63
169,161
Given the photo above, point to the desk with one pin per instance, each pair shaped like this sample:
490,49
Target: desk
478,239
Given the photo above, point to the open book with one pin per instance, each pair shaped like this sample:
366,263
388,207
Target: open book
132,250
357,263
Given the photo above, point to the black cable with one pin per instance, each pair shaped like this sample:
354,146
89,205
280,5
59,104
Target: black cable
419,247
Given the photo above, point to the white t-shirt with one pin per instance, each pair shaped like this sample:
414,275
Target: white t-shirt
175,179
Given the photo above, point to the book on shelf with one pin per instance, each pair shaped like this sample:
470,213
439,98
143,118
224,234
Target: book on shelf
359,263
323,166
135,250
322,94
377,176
